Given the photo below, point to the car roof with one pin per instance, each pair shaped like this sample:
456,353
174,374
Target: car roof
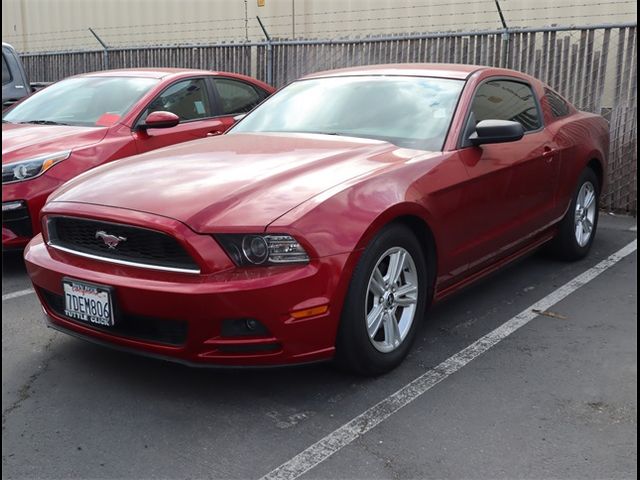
164,73
145,72
442,70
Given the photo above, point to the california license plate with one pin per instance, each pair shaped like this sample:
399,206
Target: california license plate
88,303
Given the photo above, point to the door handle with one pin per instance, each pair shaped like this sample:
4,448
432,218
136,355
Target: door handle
548,154
213,133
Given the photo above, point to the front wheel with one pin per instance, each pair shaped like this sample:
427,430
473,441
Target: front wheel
578,228
385,303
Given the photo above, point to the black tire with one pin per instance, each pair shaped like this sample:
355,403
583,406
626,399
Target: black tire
355,351
565,245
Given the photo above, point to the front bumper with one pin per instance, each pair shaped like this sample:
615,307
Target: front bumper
17,226
20,226
195,306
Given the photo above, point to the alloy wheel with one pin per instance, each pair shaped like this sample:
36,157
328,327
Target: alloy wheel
585,213
391,299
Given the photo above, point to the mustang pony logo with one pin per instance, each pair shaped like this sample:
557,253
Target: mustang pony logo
110,241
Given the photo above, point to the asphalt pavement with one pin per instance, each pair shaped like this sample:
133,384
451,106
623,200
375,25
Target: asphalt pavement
555,399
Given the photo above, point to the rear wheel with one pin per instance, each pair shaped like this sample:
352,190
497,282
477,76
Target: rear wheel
578,228
385,303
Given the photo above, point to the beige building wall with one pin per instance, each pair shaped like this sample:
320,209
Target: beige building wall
54,25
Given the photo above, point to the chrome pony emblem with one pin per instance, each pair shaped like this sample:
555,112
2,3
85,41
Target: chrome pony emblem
110,241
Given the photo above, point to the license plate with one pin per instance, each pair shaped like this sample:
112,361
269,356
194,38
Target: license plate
88,303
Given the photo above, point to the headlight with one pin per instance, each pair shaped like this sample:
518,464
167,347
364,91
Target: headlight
271,249
25,169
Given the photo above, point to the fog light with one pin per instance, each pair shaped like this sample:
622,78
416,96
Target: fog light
243,327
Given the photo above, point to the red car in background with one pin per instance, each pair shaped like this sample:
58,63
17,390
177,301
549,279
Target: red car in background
87,120
325,222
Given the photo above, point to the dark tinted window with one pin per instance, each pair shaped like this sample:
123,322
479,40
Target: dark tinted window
559,107
6,74
507,100
236,97
187,99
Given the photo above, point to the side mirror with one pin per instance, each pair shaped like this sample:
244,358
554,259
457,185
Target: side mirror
160,120
496,131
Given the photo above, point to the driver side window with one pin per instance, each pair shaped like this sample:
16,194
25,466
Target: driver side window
187,99
503,100
507,100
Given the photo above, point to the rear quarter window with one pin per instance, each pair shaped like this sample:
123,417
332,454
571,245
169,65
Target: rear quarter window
236,97
559,107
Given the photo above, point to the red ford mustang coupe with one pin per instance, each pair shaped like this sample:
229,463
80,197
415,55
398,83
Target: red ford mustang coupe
87,120
325,222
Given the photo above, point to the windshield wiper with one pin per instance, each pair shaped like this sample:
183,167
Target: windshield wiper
320,132
44,122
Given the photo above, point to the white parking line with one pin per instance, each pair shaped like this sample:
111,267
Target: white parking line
19,293
343,436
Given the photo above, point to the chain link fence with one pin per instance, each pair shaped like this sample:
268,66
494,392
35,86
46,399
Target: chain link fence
595,67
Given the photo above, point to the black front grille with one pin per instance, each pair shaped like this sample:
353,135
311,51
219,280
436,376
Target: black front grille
136,244
169,332
18,221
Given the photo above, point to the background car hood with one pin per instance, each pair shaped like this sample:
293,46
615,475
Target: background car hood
24,141
237,180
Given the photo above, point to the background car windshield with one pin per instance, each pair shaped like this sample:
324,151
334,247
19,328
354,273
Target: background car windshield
85,101
411,112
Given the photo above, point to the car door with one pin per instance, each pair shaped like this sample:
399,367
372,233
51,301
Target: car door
191,100
14,82
235,97
511,187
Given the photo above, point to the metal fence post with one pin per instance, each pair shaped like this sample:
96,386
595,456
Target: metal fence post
504,61
270,53
105,55
506,50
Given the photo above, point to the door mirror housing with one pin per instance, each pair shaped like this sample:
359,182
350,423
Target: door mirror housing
496,131
160,119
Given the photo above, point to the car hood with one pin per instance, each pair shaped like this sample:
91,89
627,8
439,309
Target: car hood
24,141
236,180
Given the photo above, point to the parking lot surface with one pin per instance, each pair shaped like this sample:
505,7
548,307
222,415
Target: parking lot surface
556,398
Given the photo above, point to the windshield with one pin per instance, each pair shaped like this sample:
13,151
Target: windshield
411,112
83,101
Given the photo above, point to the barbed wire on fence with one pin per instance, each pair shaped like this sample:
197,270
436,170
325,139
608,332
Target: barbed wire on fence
61,40
204,37
304,15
